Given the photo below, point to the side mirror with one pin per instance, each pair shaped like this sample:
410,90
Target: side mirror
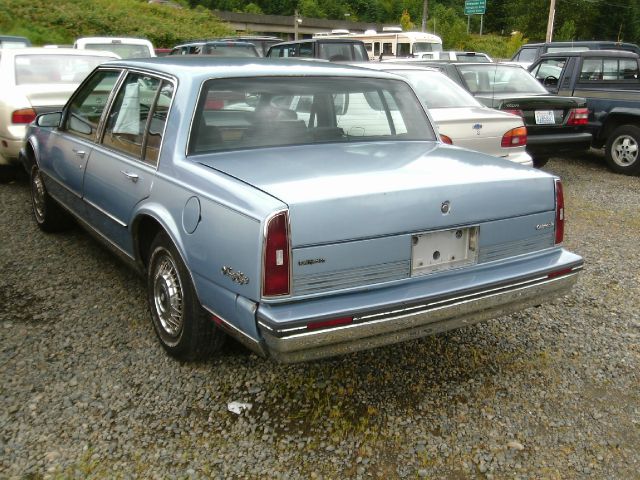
49,119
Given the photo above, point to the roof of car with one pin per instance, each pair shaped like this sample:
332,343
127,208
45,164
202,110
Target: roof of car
384,66
577,43
323,40
59,51
229,43
202,66
592,53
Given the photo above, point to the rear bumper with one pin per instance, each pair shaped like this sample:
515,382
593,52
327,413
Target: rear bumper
521,158
393,323
547,145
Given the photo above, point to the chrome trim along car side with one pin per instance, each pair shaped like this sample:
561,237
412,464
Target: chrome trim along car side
384,328
233,331
105,213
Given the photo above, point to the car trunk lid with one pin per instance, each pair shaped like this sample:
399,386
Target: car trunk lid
342,192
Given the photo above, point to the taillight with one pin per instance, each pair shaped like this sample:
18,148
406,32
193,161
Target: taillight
578,116
514,111
276,256
25,115
446,139
559,212
516,137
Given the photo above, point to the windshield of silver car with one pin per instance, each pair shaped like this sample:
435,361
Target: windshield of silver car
254,112
38,69
435,90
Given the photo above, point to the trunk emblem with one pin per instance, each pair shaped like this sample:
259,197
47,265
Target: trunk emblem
445,207
477,127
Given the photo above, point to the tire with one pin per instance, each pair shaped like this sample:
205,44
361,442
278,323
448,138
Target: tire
539,162
622,150
183,327
48,214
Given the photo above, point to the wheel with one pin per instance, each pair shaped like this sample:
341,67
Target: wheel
539,162
621,150
49,215
183,327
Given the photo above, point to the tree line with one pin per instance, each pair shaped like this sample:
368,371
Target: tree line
574,20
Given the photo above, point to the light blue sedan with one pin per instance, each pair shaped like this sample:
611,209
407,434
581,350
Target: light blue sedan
306,209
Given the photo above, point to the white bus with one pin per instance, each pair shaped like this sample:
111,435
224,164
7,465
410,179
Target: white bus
392,42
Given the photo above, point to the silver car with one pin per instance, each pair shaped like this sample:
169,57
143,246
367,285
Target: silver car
307,209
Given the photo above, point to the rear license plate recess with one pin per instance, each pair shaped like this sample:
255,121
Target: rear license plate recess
443,250
545,117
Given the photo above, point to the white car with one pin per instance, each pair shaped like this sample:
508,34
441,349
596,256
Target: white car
124,47
34,81
460,118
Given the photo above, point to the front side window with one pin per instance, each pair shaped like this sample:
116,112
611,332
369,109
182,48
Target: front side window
84,112
551,67
127,121
305,50
279,111
527,55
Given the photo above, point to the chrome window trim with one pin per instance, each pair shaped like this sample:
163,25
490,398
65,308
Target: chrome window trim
105,213
245,339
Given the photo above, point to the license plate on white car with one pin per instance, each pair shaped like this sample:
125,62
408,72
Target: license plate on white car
443,250
545,117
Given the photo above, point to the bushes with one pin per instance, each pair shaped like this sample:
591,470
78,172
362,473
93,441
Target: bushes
43,21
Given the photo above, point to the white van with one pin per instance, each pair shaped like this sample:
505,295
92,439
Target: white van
125,47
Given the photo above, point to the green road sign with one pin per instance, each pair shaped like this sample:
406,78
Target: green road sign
475,7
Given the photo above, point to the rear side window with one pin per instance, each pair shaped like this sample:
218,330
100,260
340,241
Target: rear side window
527,55
609,70
127,121
260,112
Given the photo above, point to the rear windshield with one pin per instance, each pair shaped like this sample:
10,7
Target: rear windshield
278,111
492,78
342,52
123,50
472,57
435,90
51,69
237,50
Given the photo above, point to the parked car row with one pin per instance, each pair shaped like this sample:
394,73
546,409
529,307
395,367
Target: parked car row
306,209
35,81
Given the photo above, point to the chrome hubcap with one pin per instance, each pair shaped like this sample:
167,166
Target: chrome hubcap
37,194
167,296
624,150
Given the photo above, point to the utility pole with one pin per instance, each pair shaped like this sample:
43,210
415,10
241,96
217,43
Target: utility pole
552,14
295,24
425,9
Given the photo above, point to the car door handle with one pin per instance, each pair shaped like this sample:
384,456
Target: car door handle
79,153
131,176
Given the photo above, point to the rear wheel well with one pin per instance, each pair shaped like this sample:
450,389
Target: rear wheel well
613,122
145,230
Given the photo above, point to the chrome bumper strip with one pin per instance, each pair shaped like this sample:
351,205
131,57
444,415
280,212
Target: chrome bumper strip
401,324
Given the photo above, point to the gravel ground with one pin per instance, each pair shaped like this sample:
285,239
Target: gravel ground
551,392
